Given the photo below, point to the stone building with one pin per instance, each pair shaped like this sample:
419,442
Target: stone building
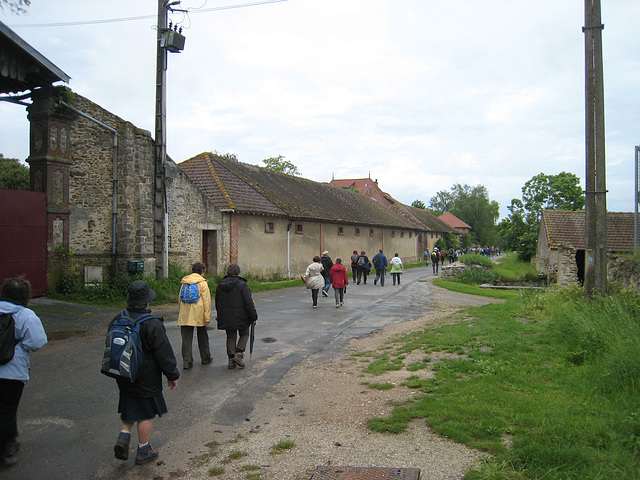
561,245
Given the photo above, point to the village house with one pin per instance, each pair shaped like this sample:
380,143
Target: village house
454,222
561,242
431,229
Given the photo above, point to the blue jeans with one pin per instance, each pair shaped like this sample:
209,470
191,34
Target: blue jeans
327,284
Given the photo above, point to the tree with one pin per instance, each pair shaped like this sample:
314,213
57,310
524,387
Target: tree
279,164
16,7
473,206
419,204
541,192
13,175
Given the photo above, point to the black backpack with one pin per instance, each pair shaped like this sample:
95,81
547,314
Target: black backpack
376,261
8,340
362,261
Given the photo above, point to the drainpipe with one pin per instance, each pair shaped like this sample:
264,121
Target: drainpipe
114,175
289,249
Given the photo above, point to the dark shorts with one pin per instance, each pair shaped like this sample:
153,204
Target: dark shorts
135,409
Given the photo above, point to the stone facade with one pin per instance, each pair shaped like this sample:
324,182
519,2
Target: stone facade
98,172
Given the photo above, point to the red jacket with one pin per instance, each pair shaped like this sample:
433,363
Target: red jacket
338,276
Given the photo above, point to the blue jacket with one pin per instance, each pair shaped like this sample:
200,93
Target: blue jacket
383,261
30,332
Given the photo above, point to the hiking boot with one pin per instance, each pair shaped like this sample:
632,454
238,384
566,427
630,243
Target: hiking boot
12,448
375,282
187,365
324,294
145,455
237,359
7,462
232,364
121,448
206,361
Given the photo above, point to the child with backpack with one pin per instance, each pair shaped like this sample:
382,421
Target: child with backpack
141,399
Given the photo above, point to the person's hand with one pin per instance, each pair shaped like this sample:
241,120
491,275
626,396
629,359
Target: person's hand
173,384
206,324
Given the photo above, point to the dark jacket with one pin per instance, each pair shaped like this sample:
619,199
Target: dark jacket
327,263
158,356
234,304
382,265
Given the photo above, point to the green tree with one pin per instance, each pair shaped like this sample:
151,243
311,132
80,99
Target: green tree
13,175
472,205
279,164
419,204
542,192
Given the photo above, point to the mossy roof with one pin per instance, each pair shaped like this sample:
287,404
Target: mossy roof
250,189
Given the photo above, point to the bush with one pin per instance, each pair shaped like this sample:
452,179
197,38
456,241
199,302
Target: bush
475,259
477,276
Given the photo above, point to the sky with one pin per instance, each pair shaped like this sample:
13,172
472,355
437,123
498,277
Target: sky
417,94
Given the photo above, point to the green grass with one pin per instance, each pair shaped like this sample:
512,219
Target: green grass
216,471
548,383
381,386
508,267
470,289
282,446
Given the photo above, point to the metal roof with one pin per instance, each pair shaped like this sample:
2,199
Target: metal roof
22,67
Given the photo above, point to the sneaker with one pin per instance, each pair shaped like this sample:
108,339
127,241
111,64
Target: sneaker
324,294
121,448
337,305
341,303
12,448
7,462
315,306
232,364
145,454
237,359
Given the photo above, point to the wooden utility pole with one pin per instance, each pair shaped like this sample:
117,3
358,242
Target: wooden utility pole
595,272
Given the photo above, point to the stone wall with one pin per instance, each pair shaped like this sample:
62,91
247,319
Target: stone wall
624,269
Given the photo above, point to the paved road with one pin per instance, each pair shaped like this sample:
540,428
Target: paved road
67,417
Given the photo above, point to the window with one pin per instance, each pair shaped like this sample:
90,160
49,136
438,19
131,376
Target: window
340,230
371,232
269,227
299,229
357,231
393,233
409,234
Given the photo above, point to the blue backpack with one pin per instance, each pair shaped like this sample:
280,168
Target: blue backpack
189,293
123,355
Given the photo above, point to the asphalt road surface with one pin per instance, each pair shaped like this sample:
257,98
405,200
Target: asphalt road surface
68,419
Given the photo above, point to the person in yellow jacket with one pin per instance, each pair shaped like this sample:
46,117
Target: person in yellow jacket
196,314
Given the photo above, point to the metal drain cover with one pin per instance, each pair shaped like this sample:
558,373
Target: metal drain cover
365,473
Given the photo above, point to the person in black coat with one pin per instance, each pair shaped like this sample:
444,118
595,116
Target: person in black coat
142,400
236,312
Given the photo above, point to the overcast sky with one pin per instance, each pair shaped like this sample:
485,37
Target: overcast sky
420,94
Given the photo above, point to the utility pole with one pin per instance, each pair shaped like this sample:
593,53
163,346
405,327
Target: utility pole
168,41
636,232
595,272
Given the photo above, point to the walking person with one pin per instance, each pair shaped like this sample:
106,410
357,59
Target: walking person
380,263
435,259
195,314
314,279
364,267
354,265
140,401
236,312
339,281
396,268
327,263
29,336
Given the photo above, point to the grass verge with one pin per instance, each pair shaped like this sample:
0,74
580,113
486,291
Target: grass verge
548,383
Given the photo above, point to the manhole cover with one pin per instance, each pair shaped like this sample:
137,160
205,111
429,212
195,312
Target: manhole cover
365,473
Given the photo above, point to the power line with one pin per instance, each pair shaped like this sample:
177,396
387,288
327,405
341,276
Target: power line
143,17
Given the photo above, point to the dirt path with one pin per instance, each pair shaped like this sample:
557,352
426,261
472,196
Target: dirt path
323,408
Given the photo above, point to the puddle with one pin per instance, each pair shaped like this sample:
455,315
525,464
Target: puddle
64,334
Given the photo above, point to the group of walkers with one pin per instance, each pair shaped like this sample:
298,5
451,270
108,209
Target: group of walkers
323,274
140,397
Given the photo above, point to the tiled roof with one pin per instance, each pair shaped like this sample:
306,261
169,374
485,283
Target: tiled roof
569,227
252,189
422,219
429,220
455,222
